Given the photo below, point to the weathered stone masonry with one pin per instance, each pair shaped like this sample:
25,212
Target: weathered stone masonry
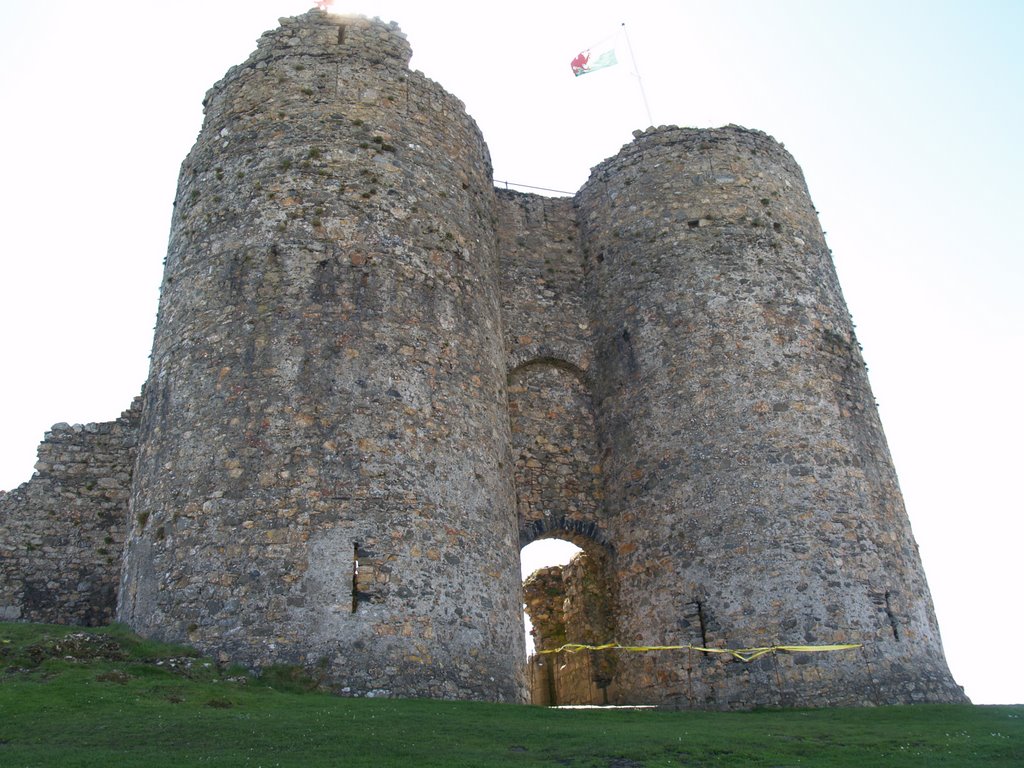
375,377
62,533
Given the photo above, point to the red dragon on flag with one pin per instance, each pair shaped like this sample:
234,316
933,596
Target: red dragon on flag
595,58
579,64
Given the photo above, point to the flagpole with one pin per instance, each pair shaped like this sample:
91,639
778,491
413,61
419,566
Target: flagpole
636,71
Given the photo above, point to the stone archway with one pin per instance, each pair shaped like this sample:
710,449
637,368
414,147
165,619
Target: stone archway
559,495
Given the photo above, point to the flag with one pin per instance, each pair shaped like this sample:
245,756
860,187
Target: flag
324,5
592,59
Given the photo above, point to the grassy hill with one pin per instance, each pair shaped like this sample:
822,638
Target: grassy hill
103,697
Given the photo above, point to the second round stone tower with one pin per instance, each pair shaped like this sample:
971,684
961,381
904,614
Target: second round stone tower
752,500
321,469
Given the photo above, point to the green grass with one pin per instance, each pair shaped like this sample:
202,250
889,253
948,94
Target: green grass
115,705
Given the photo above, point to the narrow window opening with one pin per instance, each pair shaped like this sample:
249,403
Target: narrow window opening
892,617
355,576
341,35
703,624
695,622
693,223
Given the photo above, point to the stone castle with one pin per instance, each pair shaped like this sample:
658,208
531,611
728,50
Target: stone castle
376,377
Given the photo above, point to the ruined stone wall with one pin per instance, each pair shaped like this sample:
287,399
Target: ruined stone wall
574,603
62,532
590,601
324,468
544,598
747,471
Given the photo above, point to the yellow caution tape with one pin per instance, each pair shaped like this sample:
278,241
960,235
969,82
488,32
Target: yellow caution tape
743,654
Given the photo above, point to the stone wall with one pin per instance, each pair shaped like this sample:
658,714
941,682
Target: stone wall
62,532
542,288
544,598
574,603
554,444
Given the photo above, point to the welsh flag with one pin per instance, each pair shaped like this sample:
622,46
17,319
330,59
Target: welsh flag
595,58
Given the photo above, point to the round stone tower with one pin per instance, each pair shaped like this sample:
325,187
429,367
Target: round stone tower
750,494
323,458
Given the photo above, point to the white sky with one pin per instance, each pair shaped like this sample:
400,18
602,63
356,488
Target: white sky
905,117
